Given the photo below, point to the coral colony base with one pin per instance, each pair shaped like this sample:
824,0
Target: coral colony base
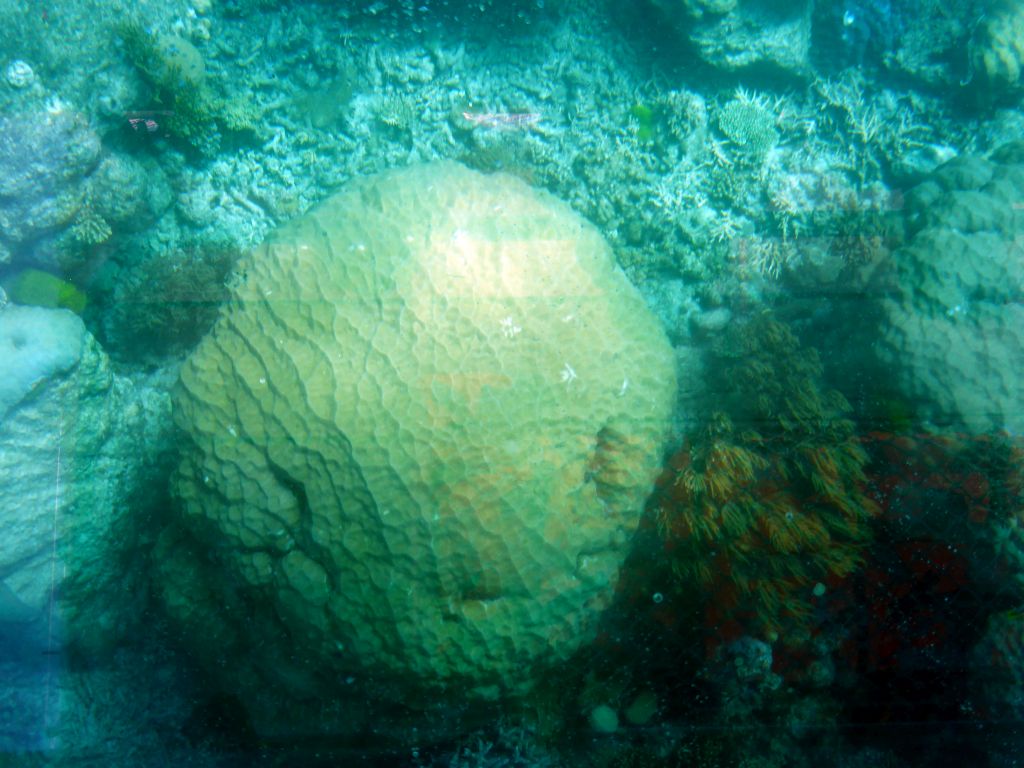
478,383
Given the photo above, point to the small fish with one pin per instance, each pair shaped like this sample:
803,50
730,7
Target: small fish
146,119
502,119
150,125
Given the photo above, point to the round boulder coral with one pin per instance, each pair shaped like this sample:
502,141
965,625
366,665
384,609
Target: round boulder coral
997,49
419,438
952,336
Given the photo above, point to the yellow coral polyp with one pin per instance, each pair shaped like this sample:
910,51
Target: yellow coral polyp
782,505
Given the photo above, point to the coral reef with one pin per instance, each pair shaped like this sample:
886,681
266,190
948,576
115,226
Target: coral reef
509,747
936,570
174,69
768,501
162,303
492,324
89,228
739,34
72,467
997,50
982,477
77,442
44,156
918,40
950,335
128,192
716,200
749,123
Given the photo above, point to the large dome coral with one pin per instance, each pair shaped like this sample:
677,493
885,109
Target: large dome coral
419,438
952,338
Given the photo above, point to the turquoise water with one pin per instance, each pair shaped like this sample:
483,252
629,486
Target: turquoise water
527,383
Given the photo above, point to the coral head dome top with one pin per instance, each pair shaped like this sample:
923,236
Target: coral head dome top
419,437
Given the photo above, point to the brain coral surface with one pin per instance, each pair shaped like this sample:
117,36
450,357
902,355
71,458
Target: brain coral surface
422,432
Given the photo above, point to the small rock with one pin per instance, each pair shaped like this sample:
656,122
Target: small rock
19,74
713,320
604,719
643,708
